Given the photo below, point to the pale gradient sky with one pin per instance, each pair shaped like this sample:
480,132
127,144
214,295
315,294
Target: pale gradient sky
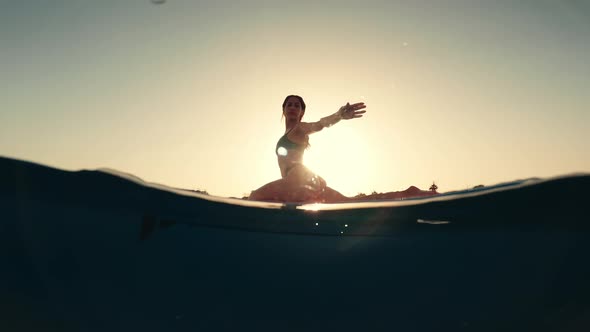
188,93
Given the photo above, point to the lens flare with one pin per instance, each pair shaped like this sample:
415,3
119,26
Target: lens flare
282,151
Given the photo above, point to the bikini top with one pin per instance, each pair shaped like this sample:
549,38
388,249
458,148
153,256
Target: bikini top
284,145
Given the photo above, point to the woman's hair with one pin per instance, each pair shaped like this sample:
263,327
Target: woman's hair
302,108
300,101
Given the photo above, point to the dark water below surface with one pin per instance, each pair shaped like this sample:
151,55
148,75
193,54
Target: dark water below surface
88,251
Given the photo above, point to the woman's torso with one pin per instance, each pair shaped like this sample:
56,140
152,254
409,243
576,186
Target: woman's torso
290,149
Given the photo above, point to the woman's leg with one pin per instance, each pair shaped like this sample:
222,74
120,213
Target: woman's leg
300,185
332,196
303,176
285,190
269,192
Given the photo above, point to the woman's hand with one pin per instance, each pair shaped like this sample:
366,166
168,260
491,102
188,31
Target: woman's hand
353,111
346,112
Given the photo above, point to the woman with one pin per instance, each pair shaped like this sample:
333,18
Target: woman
298,183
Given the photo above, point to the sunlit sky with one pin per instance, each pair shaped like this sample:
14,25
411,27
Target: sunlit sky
188,93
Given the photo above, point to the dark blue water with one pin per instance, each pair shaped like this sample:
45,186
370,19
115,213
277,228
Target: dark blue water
98,253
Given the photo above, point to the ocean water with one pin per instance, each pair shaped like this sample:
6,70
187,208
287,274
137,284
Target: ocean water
96,251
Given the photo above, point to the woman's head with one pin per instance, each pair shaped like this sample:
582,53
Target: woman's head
294,105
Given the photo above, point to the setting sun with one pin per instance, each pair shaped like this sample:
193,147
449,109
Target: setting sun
341,156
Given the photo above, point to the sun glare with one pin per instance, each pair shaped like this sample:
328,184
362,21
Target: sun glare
341,158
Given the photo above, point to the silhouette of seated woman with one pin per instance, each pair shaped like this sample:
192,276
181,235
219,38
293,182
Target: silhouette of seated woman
298,183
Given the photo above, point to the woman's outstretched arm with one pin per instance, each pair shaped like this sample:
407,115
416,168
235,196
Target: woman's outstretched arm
345,112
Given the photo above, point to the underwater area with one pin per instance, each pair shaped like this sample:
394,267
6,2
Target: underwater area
91,251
